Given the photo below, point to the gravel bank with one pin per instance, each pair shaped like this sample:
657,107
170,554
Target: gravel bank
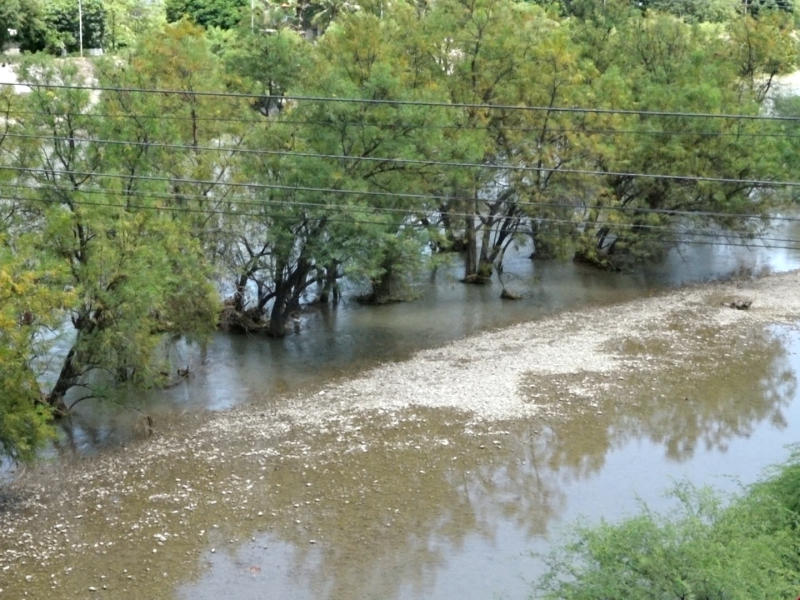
490,375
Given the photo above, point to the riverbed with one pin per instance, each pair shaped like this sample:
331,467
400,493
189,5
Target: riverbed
435,476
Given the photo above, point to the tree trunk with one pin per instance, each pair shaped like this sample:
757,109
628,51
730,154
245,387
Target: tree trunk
389,286
67,379
453,242
287,297
239,294
476,270
277,318
330,288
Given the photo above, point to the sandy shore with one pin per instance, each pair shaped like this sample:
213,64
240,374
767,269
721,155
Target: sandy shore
554,368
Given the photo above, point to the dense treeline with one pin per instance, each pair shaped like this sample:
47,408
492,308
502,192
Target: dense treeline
129,215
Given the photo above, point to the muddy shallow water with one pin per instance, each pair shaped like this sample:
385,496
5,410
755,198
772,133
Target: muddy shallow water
435,477
339,343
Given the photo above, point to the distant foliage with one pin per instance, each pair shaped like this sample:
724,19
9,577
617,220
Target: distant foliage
713,11
716,10
225,14
53,25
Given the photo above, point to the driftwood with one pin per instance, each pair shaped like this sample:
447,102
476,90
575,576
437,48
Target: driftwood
182,374
506,295
234,321
738,304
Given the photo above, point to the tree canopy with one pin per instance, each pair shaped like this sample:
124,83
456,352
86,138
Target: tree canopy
225,14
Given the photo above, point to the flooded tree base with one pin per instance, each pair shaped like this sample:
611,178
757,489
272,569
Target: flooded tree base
232,321
476,279
373,299
253,322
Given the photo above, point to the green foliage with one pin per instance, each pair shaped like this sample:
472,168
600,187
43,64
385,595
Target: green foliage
712,11
11,17
25,306
747,549
660,63
716,10
225,14
134,270
127,21
54,25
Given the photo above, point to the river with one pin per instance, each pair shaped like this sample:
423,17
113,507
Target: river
329,465
336,342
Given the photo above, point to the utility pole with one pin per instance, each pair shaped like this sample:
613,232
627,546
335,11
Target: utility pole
80,25
252,15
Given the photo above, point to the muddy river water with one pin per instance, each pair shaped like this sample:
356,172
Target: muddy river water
426,450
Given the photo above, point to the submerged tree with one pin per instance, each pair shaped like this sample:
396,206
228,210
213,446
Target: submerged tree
134,271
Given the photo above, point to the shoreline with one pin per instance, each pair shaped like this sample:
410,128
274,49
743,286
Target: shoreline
463,395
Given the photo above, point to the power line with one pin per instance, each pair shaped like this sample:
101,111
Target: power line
586,172
400,125
396,161
335,191
405,211
425,103
347,208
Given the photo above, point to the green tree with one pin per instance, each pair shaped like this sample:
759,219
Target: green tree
714,11
363,56
660,63
136,272
508,54
128,20
225,14
32,300
11,17
54,25
26,306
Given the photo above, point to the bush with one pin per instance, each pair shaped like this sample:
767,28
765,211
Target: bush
746,549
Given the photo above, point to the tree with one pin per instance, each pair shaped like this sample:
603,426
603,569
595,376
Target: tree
502,53
128,20
225,14
11,17
363,56
32,299
135,271
660,63
327,11
713,11
54,25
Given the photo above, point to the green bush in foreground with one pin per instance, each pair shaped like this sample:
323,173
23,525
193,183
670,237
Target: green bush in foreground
746,549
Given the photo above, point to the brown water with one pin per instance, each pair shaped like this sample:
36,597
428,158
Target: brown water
397,506
414,518
416,505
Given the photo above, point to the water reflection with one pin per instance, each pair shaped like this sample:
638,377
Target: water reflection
714,389
401,505
404,520
385,521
